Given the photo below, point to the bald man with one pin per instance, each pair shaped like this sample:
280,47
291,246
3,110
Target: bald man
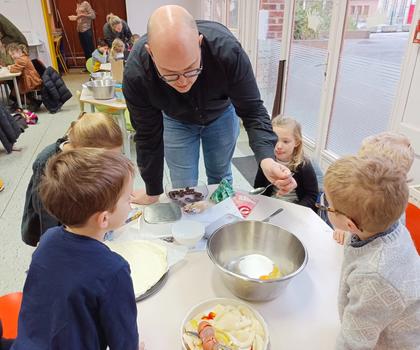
186,82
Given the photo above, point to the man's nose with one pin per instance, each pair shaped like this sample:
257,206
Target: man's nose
182,80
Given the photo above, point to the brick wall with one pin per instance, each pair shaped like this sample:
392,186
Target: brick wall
275,18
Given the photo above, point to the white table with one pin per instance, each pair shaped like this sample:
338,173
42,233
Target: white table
117,107
303,317
105,67
6,75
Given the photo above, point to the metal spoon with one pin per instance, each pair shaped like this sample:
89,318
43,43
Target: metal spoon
267,219
259,190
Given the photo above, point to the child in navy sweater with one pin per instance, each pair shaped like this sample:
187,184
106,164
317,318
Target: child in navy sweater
78,293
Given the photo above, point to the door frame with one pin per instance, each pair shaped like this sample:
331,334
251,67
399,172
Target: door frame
317,147
408,69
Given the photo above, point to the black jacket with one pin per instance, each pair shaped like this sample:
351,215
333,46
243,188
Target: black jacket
109,35
54,92
36,220
226,78
9,129
307,184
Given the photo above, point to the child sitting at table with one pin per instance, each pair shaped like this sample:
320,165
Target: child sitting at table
134,38
391,145
29,80
78,294
289,152
379,300
100,55
117,50
90,130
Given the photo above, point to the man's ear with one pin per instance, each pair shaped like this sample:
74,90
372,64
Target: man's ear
149,51
200,39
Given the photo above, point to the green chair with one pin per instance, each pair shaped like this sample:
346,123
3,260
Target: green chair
128,125
89,65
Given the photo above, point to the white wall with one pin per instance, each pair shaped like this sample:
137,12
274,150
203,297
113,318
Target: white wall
28,17
138,12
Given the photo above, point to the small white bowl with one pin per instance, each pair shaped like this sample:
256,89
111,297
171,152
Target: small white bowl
188,232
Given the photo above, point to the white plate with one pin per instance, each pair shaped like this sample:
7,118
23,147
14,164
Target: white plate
208,304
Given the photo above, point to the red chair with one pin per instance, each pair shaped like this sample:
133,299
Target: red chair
413,224
9,313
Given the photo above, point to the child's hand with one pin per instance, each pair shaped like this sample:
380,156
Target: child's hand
339,236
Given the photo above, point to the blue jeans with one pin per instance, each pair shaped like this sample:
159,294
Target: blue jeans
182,148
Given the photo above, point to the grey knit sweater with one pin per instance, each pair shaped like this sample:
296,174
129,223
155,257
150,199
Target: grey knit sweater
379,295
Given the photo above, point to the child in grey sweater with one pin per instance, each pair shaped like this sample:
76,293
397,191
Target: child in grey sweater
100,55
379,293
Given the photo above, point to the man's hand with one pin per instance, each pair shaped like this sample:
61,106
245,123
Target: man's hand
339,236
279,175
141,197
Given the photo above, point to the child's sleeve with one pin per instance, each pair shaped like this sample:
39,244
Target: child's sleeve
118,312
307,190
373,304
18,66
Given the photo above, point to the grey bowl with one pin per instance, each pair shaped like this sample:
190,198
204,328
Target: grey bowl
101,75
237,241
102,89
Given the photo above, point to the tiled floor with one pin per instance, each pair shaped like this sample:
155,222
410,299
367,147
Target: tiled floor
16,170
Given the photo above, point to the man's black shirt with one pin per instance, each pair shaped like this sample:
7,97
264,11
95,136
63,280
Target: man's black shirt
227,77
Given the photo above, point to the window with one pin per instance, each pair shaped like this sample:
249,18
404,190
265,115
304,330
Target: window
366,11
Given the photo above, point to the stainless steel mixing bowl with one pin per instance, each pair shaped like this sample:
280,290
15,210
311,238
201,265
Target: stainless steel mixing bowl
101,75
102,89
233,243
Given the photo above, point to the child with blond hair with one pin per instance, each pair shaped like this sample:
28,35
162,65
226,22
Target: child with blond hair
117,50
379,300
289,152
78,294
90,130
390,145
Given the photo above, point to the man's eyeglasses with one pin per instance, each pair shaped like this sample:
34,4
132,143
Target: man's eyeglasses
170,78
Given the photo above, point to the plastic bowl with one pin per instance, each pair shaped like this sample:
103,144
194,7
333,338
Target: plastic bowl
187,192
188,232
